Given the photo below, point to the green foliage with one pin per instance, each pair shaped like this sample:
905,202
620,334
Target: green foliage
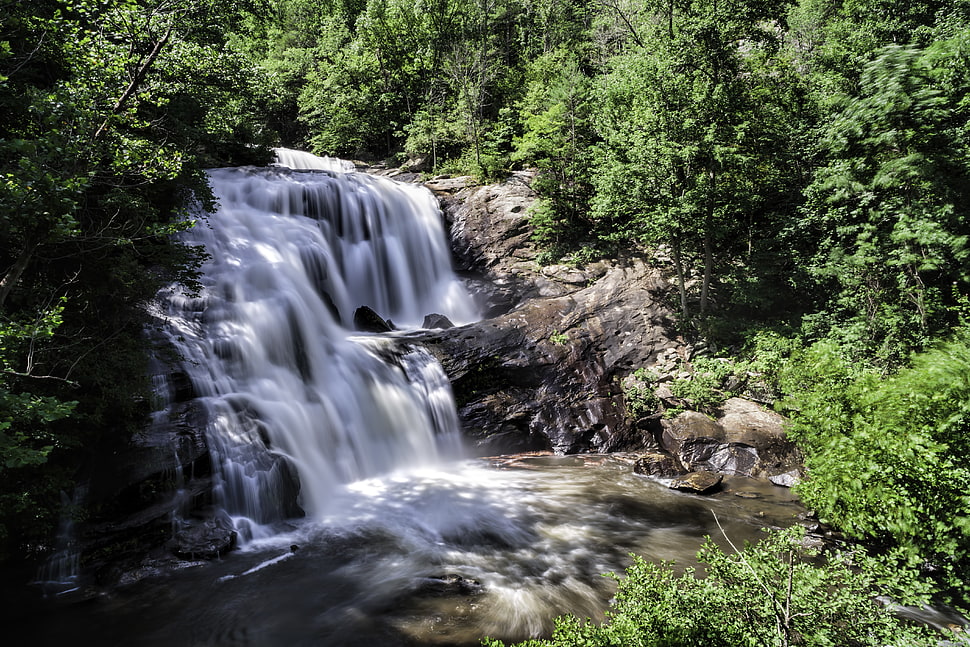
555,139
559,338
887,457
111,112
706,386
888,209
693,128
773,593
638,394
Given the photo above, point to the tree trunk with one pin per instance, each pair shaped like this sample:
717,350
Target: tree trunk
708,269
681,283
16,270
136,81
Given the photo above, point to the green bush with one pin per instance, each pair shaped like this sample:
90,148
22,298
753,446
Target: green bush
887,456
771,594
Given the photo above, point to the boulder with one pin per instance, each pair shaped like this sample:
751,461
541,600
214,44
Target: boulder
435,320
447,585
658,465
746,439
787,479
697,482
367,320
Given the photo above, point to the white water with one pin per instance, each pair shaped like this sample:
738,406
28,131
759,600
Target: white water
307,417
297,406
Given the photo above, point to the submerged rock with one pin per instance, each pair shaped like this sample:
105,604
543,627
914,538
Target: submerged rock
659,465
698,482
449,584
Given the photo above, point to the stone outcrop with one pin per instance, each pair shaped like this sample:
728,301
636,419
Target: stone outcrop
367,320
544,369
546,375
745,439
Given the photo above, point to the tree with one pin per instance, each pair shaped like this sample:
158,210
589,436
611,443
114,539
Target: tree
690,124
888,208
112,110
556,139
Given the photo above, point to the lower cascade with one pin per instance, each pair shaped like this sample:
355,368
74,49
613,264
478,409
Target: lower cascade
337,455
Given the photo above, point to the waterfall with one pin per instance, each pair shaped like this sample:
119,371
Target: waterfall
298,405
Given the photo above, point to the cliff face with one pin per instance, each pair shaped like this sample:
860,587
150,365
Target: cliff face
543,370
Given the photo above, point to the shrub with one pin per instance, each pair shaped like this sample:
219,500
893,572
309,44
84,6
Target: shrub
771,594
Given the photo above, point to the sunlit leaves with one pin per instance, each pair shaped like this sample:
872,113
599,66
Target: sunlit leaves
889,205
771,594
887,457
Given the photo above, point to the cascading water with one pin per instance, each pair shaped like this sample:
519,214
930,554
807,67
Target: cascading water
344,447
296,406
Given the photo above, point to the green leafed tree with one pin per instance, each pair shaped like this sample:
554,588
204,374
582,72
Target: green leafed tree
888,208
111,112
693,128
556,139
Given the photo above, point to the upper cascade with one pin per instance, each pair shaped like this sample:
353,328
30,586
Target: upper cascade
295,159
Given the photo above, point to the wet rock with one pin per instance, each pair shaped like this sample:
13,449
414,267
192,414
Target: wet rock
745,440
697,482
367,320
543,370
435,320
747,495
546,376
450,584
659,465
207,538
788,479
692,437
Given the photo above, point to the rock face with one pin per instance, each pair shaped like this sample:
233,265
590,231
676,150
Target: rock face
546,375
204,538
543,370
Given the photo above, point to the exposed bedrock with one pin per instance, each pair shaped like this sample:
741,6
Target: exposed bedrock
546,375
544,371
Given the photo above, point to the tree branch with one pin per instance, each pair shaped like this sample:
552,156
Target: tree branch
135,81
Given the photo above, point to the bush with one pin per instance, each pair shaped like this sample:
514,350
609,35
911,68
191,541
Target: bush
887,456
771,594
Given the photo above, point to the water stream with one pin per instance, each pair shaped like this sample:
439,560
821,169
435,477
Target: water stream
338,455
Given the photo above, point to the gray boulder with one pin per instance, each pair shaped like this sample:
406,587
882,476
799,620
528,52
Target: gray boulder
746,439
